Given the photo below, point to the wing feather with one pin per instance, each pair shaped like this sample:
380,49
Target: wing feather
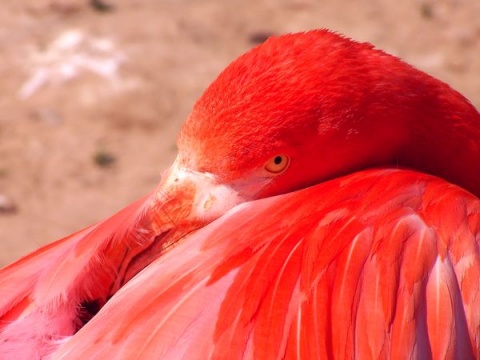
43,293
359,270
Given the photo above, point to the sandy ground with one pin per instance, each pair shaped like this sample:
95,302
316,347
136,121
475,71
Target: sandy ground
92,94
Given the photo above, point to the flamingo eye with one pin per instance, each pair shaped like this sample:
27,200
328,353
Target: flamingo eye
277,164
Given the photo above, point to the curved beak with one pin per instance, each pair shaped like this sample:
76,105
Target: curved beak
184,201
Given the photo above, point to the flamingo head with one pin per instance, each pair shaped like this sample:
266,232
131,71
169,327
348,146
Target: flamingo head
301,109
292,112
295,111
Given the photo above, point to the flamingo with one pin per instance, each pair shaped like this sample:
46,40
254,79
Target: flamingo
323,204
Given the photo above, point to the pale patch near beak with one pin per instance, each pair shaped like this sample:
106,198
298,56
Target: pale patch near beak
211,200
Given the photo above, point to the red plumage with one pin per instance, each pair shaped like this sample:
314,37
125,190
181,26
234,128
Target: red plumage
319,258
251,285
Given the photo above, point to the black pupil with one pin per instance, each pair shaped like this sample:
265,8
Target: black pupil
277,160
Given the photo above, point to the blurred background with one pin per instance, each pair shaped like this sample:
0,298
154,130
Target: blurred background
93,93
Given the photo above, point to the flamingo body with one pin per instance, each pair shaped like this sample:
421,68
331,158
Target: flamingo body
251,285
288,227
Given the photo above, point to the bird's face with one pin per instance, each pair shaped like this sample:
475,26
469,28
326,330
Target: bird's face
291,113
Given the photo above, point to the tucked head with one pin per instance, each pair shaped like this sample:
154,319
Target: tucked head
306,101
324,105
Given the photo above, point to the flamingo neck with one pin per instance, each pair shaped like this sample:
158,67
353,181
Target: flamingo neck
444,136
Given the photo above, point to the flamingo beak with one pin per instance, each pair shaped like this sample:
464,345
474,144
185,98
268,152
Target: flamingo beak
183,202
205,198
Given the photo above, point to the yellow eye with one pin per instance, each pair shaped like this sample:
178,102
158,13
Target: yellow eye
277,164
